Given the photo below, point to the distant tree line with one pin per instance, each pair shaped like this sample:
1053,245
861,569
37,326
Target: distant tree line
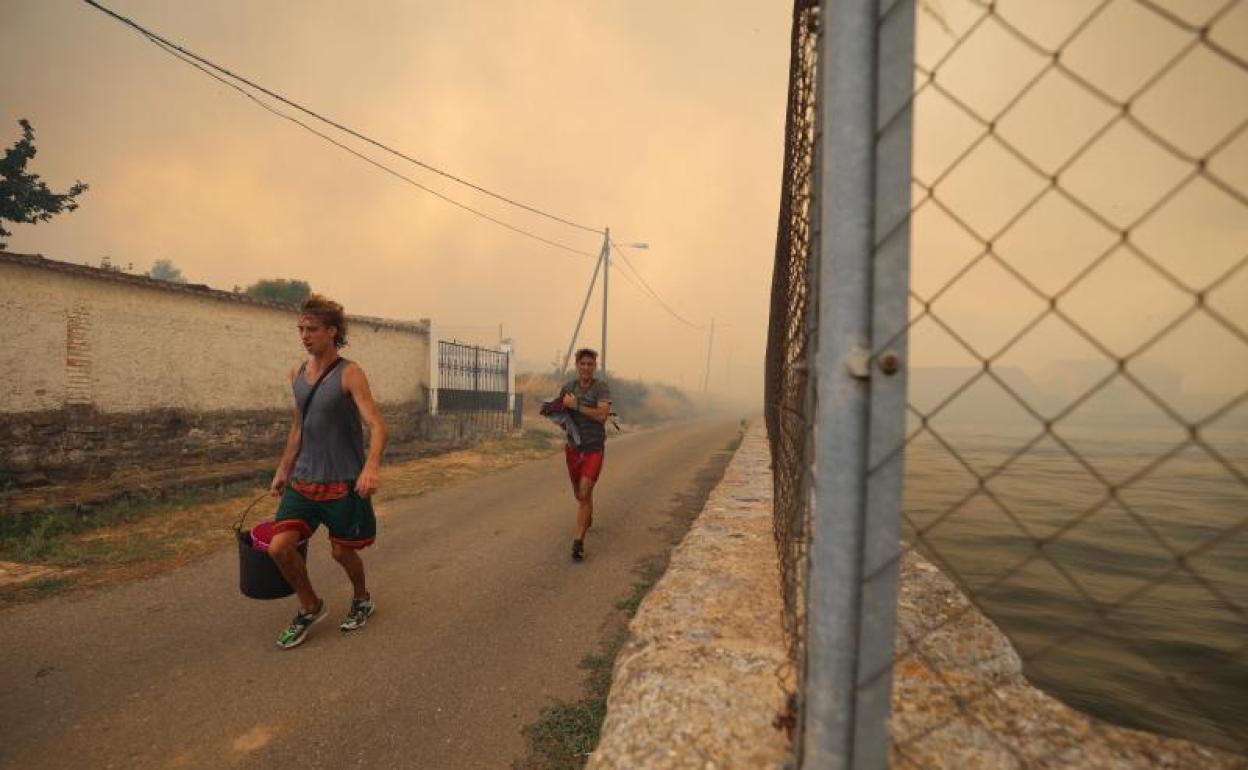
26,199
292,291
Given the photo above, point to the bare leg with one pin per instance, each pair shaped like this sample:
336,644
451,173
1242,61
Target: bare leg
350,560
285,553
585,508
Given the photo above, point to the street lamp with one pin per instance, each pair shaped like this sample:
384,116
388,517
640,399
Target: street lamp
603,264
606,273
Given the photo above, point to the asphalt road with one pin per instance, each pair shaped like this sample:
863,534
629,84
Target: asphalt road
482,619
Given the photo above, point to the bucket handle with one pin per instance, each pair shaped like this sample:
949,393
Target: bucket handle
238,525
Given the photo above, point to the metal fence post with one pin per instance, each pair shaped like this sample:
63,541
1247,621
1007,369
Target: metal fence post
864,166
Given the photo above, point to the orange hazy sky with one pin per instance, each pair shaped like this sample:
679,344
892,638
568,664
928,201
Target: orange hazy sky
665,122
661,120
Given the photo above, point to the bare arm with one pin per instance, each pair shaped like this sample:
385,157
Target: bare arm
598,413
602,411
291,452
355,383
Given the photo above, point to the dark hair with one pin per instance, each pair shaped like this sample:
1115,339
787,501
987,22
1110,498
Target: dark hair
586,353
328,312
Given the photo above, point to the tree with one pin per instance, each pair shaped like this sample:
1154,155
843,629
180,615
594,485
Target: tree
165,270
289,290
25,199
106,263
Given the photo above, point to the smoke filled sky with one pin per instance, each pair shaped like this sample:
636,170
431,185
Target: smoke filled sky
1114,182
665,122
661,120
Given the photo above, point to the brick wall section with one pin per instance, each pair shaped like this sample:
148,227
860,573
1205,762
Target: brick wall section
78,355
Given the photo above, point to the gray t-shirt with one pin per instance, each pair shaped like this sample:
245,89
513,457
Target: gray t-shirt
593,433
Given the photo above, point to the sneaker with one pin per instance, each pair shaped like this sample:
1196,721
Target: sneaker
361,609
578,550
297,631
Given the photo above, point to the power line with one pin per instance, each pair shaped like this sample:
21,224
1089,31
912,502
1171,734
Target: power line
212,69
641,289
653,294
172,51
645,289
168,44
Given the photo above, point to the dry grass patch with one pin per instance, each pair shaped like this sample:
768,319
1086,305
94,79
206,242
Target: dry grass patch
52,551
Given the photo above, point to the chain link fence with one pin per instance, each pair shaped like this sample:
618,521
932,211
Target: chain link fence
787,385
1076,350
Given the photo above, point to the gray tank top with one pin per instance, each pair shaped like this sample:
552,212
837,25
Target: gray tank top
333,437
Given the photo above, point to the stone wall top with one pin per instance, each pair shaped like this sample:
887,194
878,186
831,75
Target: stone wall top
39,262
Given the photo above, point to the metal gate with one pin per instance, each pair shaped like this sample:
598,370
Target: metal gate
473,380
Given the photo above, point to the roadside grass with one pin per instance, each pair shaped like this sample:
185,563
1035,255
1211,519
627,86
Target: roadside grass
49,585
66,537
65,549
129,538
534,442
566,733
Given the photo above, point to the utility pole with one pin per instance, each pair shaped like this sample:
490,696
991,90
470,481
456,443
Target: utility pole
706,378
584,305
604,264
606,275
606,272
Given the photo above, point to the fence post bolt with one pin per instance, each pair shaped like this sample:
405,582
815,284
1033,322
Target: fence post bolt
858,363
890,363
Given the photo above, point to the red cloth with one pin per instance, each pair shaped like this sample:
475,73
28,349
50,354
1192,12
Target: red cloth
583,465
321,491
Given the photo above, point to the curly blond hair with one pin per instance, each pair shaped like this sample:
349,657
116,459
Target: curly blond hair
328,312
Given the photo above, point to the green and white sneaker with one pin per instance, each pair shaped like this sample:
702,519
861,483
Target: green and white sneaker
294,634
361,610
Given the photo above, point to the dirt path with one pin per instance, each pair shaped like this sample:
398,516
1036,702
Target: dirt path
482,619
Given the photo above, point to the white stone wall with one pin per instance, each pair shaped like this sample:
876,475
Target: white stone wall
123,346
699,683
33,319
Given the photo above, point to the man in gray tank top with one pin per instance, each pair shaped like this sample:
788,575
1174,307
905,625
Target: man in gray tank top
324,476
588,402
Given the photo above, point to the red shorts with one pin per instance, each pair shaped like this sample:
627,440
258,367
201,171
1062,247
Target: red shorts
583,465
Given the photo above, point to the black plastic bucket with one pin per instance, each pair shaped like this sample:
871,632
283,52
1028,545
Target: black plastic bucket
258,575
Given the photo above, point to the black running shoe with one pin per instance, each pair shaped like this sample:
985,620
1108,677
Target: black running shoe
578,550
361,611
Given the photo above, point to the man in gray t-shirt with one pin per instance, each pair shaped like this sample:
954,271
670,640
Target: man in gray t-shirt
588,402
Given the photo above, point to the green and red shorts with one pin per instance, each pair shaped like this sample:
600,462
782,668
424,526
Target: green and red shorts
307,504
